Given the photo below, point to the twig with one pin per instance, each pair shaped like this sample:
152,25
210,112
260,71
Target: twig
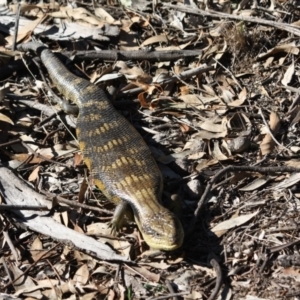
8,273
263,170
10,143
48,119
16,27
168,296
214,14
11,246
219,279
116,280
22,207
42,157
171,290
59,199
20,141
282,247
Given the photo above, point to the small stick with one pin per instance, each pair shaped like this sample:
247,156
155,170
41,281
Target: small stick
282,247
11,246
219,279
16,28
169,296
171,290
23,207
59,199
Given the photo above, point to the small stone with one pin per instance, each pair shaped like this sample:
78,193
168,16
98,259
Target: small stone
238,144
194,189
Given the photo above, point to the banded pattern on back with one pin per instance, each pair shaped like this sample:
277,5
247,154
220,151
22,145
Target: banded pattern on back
120,162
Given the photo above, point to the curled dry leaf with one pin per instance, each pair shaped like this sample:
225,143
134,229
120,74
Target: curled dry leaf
205,163
290,48
6,119
217,153
104,15
143,101
255,184
222,227
241,99
82,275
267,145
79,13
36,245
4,89
155,39
288,74
192,100
227,96
212,126
134,73
34,174
292,180
184,128
24,283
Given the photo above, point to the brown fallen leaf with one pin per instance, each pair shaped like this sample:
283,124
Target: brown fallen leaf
26,32
26,156
222,227
155,39
184,128
288,74
217,153
290,48
78,14
291,272
290,181
6,119
34,174
255,184
82,275
267,145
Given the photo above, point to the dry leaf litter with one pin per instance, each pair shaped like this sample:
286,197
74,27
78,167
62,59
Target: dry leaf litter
225,93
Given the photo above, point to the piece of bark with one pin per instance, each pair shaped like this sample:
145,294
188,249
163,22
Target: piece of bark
164,55
15,192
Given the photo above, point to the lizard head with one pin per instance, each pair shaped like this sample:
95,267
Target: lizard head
161,229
